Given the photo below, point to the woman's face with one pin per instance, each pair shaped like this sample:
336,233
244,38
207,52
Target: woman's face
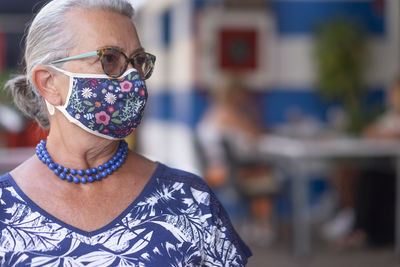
93,30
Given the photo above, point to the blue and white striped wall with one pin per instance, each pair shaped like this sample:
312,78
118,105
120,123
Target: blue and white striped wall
167,29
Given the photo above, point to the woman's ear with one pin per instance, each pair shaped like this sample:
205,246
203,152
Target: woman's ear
44,81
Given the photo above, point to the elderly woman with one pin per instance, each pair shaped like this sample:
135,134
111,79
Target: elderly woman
84,198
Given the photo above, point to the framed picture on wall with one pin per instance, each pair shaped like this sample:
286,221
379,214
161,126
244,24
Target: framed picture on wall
238,49
235,42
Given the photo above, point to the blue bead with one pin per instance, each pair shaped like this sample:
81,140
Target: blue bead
78,176
52,166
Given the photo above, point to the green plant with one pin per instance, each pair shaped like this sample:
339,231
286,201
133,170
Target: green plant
341,53
5,96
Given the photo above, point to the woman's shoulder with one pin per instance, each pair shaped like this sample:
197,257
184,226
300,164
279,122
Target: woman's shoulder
185,187
5,181
168,174
189,194
9,193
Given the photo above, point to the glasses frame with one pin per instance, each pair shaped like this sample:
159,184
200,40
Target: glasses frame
128,60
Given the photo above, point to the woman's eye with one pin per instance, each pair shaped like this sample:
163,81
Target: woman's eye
139,60
110,58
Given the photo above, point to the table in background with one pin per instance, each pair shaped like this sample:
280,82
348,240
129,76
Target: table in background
297,154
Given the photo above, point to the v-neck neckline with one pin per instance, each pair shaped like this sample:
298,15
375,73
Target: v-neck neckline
36,208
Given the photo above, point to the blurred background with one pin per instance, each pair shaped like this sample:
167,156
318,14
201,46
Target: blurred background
239,87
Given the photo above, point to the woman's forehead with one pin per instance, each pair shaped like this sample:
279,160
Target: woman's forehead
95,29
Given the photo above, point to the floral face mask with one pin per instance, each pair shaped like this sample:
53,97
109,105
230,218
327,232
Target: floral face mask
106,107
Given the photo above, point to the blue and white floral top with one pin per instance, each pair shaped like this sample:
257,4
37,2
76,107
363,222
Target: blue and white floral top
175,221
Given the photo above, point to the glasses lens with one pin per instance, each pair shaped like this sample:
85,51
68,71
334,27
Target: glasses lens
144,63
114,62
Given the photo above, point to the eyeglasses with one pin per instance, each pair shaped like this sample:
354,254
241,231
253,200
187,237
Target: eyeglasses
115,62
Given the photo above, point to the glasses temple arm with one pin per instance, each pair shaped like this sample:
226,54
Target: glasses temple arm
90,54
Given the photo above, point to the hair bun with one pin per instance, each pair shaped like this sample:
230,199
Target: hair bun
30,103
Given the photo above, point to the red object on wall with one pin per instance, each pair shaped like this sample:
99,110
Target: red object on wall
238,49
30,136
378,6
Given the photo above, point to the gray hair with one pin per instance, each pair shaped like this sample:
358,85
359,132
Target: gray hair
49,38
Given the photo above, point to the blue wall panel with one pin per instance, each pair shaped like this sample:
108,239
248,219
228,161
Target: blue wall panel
14,50
159,106
166,24
303,17
21,6
274,104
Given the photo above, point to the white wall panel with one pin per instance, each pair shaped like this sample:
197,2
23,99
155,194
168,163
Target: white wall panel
294,62
296,67
170,143
181,68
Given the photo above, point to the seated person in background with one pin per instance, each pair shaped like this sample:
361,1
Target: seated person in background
367,195
375,191
227,135
388,124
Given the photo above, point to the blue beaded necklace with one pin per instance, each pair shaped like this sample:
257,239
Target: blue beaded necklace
89,175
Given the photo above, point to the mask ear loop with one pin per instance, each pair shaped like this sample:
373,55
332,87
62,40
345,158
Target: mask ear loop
50,108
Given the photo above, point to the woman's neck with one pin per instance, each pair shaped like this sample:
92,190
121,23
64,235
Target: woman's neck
79,152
